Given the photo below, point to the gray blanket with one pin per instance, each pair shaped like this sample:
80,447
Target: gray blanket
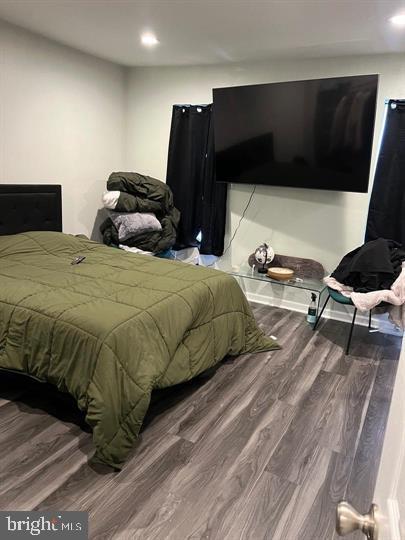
130,225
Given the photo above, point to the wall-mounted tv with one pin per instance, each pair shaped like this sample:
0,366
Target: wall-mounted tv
314,134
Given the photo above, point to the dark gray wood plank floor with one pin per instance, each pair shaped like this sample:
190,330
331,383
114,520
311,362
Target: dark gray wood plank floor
263,448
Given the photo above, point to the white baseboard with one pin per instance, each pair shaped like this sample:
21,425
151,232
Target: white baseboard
344,315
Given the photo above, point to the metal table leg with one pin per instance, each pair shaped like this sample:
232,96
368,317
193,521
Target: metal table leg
351,331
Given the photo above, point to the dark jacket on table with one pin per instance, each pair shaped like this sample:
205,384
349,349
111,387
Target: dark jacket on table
371,267
140,193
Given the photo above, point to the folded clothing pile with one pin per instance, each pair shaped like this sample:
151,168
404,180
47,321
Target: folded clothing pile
142,214
372,267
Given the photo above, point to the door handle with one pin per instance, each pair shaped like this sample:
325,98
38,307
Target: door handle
349,520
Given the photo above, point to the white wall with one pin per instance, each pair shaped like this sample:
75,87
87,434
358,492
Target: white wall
305,223
62,121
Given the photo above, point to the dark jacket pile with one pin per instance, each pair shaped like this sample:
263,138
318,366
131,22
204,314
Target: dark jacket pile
371,267
140,193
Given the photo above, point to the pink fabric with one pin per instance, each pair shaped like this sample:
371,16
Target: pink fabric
366,301
336,286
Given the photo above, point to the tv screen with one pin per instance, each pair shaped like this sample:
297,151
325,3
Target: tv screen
311,134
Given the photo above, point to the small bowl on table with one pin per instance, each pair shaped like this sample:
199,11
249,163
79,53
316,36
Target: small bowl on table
279,273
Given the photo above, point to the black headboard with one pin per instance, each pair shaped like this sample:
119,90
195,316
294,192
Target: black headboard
30,207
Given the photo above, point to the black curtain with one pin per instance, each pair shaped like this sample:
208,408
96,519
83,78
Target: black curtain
191,176
386,214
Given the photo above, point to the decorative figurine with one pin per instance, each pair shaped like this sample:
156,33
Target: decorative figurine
264,254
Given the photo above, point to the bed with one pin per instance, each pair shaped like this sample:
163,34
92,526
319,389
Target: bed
109,329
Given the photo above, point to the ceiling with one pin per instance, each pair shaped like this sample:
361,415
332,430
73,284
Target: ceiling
213,31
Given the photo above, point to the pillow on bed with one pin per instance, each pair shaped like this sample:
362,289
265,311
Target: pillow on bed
129,225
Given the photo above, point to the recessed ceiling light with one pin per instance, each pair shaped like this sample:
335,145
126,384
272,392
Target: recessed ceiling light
149,40
398,20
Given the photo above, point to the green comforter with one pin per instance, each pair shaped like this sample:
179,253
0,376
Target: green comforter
111,329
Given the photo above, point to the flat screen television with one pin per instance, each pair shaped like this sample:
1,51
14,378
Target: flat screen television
314,134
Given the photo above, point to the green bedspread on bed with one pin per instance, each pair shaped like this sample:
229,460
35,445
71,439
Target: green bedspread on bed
114,327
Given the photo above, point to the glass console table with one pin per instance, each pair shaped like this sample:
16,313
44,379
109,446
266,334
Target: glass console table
316,286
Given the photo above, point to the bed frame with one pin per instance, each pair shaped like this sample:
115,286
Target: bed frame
30,207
